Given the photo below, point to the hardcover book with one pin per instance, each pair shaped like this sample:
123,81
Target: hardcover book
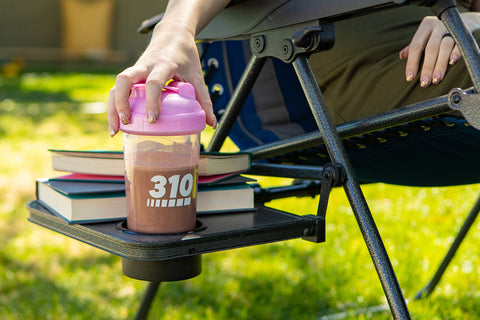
111,162
88,202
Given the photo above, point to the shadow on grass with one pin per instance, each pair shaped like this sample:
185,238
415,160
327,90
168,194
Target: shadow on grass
267,286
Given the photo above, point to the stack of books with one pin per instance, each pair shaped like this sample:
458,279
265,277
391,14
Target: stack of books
93,188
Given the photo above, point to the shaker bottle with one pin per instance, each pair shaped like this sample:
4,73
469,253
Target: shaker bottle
161,161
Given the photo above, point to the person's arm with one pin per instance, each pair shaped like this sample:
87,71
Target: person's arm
171,54
432,43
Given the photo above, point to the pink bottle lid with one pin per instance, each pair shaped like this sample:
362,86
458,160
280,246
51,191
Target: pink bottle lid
180,112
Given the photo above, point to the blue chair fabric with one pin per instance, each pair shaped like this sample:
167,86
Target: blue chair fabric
412,154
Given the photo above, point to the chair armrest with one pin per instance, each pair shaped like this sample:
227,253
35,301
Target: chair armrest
247,17
253,16
147,25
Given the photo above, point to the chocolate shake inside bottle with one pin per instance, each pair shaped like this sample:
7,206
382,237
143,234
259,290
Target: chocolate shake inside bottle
161,161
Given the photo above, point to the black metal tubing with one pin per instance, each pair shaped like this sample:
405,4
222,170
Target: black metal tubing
417,111
466,43
305,188
428,289
236,102
356,198
286,171
471,53
147,300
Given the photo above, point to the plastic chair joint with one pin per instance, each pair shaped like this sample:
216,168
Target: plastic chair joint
468,104
287,43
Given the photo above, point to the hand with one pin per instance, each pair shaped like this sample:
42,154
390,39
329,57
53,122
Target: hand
438,51
172,54
437,48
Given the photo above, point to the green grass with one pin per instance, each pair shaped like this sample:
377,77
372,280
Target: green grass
44,275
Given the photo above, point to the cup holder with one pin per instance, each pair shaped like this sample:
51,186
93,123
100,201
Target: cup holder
199,226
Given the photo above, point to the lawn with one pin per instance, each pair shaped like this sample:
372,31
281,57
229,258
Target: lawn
44,275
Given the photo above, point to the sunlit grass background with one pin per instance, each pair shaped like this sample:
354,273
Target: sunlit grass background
44,275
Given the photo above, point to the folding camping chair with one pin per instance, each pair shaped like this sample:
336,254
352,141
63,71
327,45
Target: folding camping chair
301,149
288,30
292,45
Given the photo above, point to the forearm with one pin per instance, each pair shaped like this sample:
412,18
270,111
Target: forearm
171,54
193,15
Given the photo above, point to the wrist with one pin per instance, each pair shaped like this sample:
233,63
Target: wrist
192,15
175,26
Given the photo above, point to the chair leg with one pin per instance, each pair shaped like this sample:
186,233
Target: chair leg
466,43
150,293
236,102
428,289
356,198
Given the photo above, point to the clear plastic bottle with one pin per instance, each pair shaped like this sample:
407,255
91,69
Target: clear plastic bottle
161,161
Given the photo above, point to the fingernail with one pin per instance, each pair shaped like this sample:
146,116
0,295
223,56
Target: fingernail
453,59
436,78
152,117
410,76
425,81
123,118
111,130
214,123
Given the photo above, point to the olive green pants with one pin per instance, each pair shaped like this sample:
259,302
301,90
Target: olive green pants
363,75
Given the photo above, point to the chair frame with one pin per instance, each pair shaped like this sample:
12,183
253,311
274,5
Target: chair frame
331,136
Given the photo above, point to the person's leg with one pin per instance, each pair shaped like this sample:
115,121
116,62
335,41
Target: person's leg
363,74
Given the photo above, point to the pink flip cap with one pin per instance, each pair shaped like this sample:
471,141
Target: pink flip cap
180,112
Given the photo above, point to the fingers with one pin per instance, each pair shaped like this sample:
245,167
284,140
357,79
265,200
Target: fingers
437,49
444,53
113,120
432,59
118,105
410,72
122,91
156,74
404,53
153,92
203,97
416,49
456,54
156,80
447,53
